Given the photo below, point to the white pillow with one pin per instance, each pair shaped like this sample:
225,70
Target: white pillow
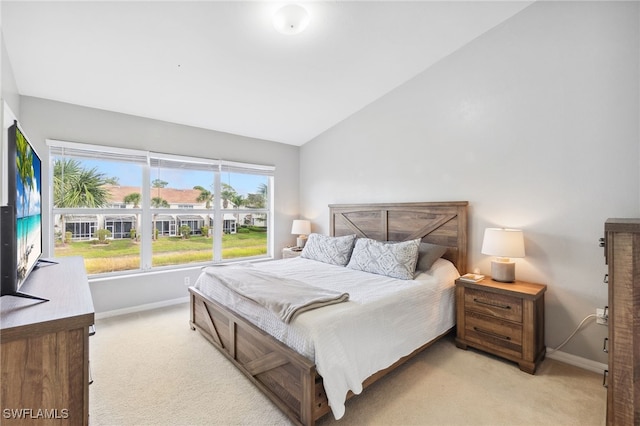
396,260
332,250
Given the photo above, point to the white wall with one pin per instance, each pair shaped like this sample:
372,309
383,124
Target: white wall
8,82
535,123
8,95
44,119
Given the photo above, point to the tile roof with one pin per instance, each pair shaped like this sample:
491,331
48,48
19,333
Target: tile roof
171,195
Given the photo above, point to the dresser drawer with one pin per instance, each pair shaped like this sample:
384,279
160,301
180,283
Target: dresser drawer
494,305
494,333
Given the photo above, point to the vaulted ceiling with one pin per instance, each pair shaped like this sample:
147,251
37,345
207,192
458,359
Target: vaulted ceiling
223,66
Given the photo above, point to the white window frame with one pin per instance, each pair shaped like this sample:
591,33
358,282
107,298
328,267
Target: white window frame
147,159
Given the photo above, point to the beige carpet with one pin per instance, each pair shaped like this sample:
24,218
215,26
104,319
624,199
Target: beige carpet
152,369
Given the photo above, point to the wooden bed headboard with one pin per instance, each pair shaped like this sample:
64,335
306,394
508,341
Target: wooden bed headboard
442,223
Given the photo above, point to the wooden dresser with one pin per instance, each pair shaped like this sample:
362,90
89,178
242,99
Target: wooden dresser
622,254
44,348
505,319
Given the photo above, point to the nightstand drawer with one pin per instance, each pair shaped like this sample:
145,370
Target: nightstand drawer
505,319
492,304
494,333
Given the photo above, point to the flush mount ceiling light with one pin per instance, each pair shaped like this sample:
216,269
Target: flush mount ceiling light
291,19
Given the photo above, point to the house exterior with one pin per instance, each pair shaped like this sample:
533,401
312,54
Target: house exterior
84,227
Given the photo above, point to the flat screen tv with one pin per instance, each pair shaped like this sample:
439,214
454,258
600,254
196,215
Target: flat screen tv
21,219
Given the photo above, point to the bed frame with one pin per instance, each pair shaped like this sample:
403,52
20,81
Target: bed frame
289,379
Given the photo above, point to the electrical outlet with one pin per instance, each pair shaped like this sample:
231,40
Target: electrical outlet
602,316
187,281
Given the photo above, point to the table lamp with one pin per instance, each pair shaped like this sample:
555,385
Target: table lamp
302,228
504,244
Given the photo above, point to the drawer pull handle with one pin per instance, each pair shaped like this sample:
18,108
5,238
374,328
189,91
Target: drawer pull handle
495,305
604,378
604,346
606,279
489,333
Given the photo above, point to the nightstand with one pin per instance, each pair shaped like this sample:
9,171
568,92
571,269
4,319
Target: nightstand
505,319
289,252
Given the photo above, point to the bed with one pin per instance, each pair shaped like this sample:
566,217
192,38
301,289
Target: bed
288,374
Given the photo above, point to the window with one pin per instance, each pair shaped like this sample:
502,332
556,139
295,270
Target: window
127,210
245,212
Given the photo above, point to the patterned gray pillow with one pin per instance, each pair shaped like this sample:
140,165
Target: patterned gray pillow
333,250
396,260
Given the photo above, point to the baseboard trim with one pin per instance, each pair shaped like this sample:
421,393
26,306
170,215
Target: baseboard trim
141,308
587,364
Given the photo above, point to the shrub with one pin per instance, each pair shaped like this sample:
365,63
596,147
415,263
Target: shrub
205,230
67,237
132,233
103,234
185,231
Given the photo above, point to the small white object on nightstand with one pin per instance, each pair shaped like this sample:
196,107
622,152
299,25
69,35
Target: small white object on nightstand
289,252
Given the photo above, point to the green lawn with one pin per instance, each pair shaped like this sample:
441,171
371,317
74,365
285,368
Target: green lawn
124,254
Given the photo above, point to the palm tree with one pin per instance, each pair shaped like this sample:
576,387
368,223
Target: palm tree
133,198
205,195
113,180
75,186
157,202
227,193
259,199
24,164
159,183
263,190
254,201
238,200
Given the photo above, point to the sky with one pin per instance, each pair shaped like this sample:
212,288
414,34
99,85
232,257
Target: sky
131,175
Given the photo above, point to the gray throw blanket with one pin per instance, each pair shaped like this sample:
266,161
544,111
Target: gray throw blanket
285,297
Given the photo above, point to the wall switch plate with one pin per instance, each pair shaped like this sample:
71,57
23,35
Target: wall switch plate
187,281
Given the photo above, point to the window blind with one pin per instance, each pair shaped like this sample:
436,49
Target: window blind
107,153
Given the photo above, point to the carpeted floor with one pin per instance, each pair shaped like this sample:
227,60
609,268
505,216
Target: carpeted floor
150,368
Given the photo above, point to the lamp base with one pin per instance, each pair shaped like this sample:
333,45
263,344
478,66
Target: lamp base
301,241
504,272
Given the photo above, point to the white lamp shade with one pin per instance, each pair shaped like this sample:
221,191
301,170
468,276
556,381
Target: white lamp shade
301,227
291,19
503,242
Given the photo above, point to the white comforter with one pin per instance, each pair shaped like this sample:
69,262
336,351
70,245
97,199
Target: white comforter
384,319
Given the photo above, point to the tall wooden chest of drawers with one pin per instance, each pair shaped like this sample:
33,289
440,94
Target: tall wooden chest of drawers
622,250
505,319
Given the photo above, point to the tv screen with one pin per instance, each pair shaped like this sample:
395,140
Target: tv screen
22,239
28,214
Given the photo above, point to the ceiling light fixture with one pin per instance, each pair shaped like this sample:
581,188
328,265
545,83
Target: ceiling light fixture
291,19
